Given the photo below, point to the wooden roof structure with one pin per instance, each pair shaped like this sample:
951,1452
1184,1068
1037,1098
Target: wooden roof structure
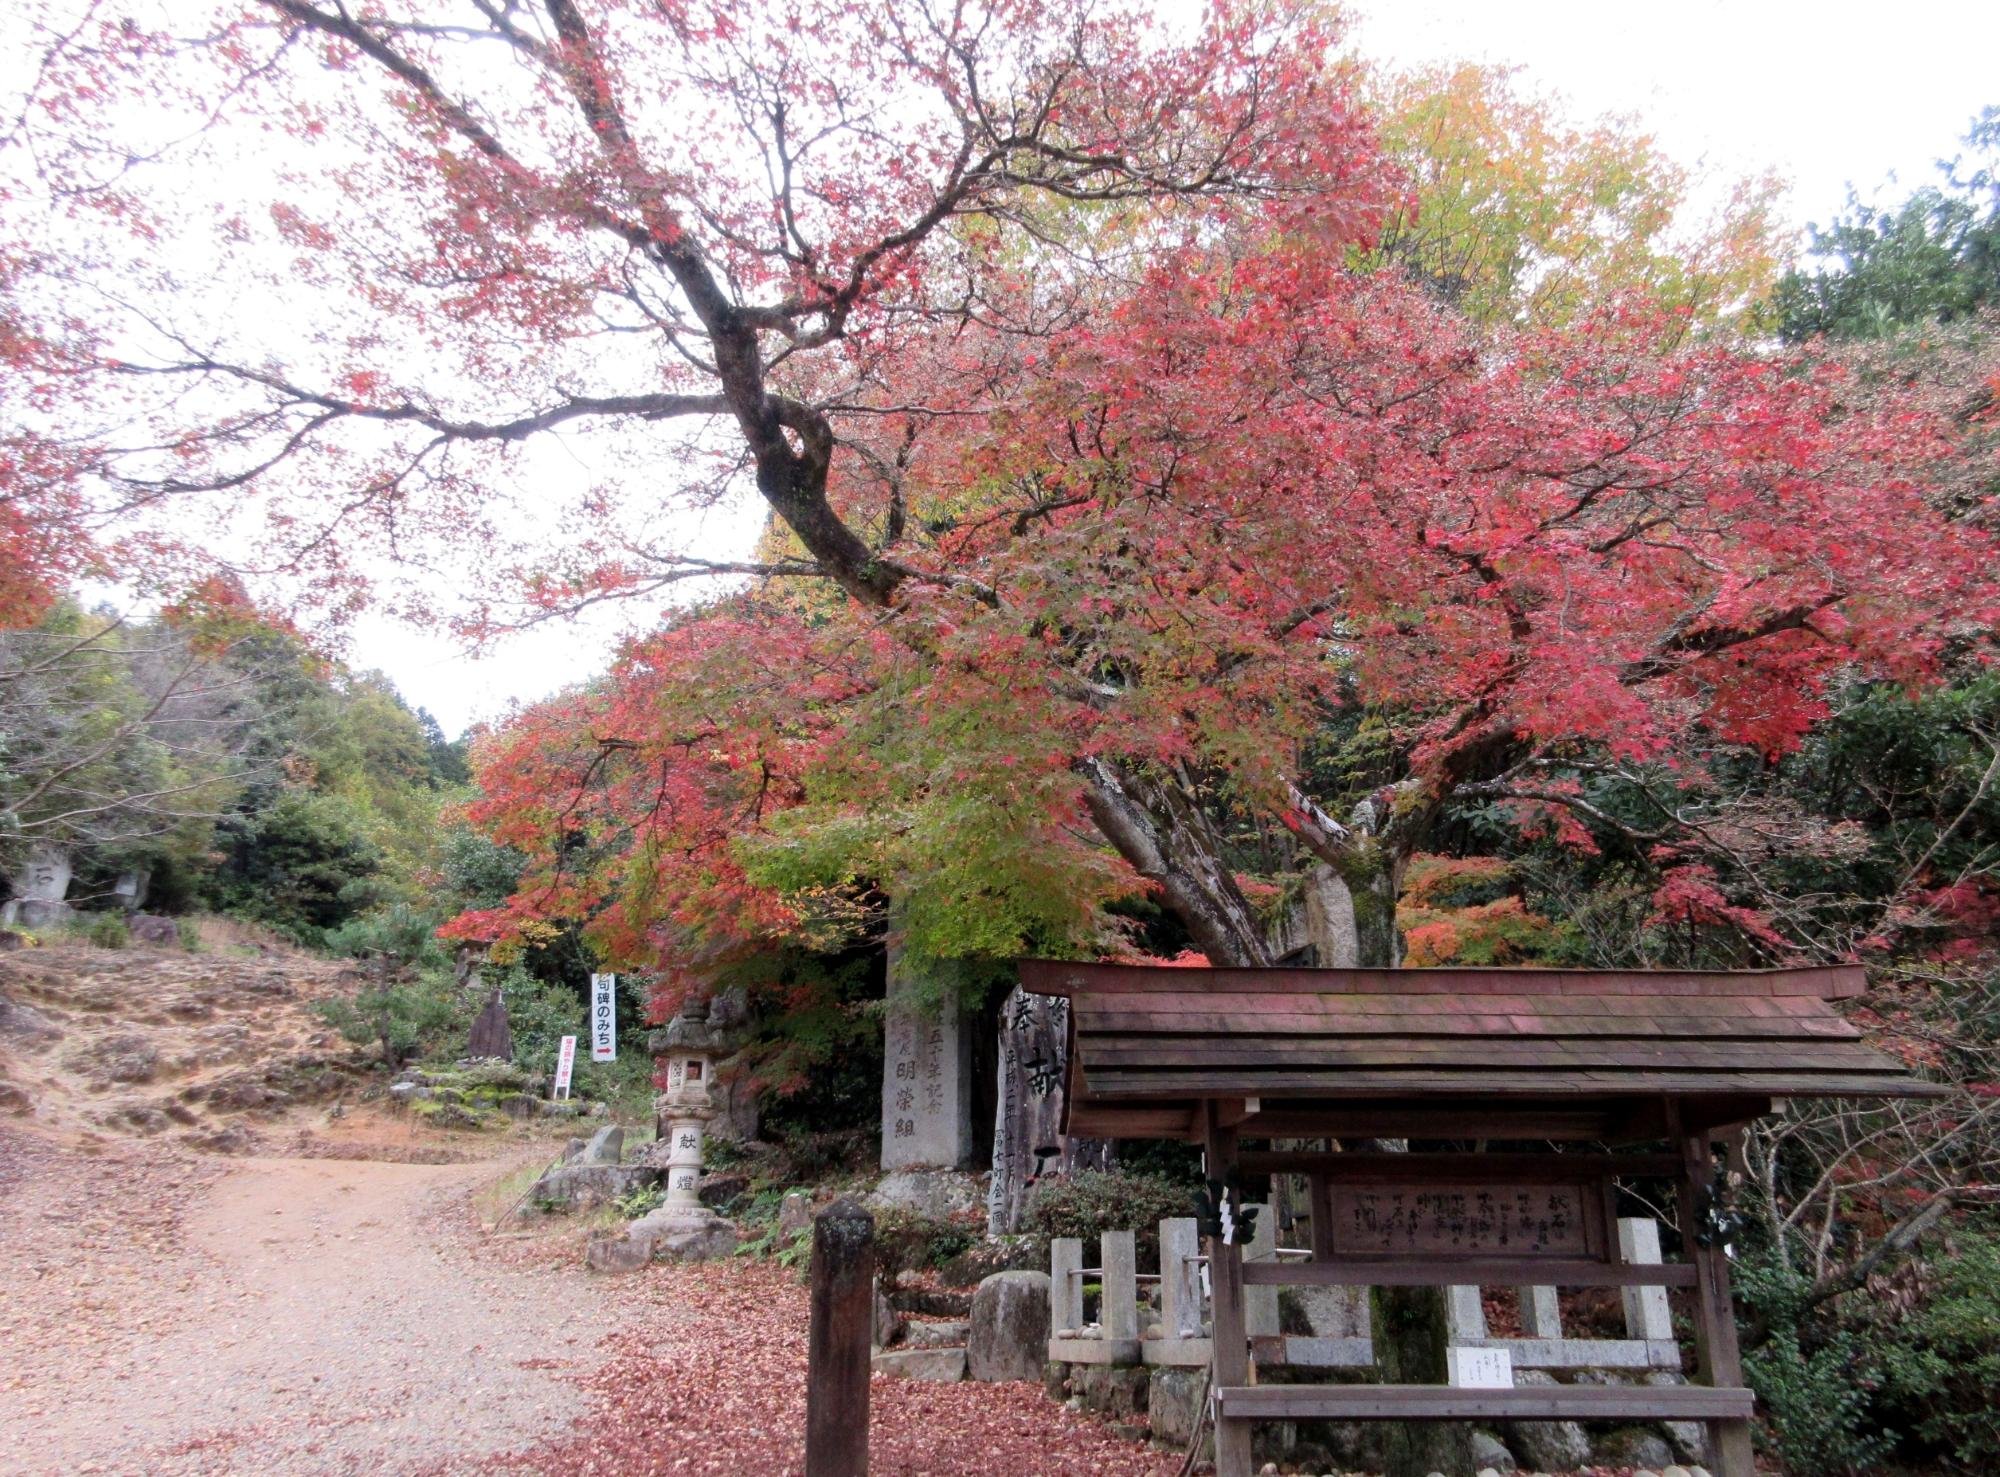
1556,1053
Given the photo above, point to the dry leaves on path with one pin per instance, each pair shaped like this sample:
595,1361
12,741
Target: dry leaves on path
711,1377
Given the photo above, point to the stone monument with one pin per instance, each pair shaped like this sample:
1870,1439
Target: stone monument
40,886
926,1079
492,1036
1028,1141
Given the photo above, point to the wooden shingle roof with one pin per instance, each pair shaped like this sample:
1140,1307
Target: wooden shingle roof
1154,1037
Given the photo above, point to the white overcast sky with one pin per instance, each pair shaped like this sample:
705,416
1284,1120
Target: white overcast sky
1825,94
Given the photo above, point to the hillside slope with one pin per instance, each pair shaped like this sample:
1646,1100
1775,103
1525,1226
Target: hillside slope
214,1050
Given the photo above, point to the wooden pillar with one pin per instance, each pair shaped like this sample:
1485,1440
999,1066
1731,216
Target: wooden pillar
1231,1356
838,1342
1718,1360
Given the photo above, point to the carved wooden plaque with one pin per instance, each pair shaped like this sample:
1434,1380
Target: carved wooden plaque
1471,1220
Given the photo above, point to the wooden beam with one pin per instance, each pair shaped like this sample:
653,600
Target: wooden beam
1520,1169
1064,977
1398,1119
1444,1402
1482,1085
1440,1271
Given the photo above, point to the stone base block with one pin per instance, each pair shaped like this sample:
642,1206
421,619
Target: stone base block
949,1333
1095,1351
1178,1353
1174,1404
937,1193
1117,1390
945,1366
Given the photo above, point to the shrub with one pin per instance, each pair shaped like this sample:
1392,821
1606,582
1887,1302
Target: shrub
399,936
401,1018
1941,1358
1816,1404
1090,1202
105,930
905,1239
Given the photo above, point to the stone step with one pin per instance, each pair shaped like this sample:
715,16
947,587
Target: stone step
949,1333
945,1366
936,1302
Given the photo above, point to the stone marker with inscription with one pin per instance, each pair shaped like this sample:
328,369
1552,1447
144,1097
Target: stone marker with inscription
926,1080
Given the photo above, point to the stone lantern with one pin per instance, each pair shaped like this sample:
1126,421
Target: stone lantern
685,1107
689,1045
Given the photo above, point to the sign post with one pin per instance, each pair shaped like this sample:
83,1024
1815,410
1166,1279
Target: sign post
565,1061
604,1017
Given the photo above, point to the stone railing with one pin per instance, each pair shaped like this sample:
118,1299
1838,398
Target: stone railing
1176,1334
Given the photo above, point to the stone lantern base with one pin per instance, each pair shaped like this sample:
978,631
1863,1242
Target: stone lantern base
673,1233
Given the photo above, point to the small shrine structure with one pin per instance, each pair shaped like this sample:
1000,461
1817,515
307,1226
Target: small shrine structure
1581,1073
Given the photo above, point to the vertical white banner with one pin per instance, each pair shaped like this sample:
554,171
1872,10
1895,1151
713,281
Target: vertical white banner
604,1017
565,1062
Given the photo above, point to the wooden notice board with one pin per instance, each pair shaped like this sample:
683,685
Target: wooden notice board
1467,1220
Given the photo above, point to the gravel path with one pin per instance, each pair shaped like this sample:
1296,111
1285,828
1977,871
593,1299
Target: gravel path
165,1314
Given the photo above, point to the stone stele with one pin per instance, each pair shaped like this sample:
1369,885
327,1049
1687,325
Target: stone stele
926,1080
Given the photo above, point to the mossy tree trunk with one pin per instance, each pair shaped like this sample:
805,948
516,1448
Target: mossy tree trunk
1349,918
1346,914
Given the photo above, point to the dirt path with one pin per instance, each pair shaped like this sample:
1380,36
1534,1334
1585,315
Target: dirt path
272,1316
325,1301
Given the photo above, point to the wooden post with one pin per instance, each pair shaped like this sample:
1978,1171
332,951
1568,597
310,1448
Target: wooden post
837,1348
1231,1366
1718,1360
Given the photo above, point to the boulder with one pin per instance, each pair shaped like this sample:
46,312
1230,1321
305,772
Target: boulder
937,1193
574,1187
1009,1338
491,1034
614,1251
722,1189
1488,1454
606,1146
150,928
667,1234
1689,1439
1546,1446
23,1025
889,1324
1634,1446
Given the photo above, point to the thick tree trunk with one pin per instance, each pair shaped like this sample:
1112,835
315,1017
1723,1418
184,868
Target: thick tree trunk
1348,919
1157,823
